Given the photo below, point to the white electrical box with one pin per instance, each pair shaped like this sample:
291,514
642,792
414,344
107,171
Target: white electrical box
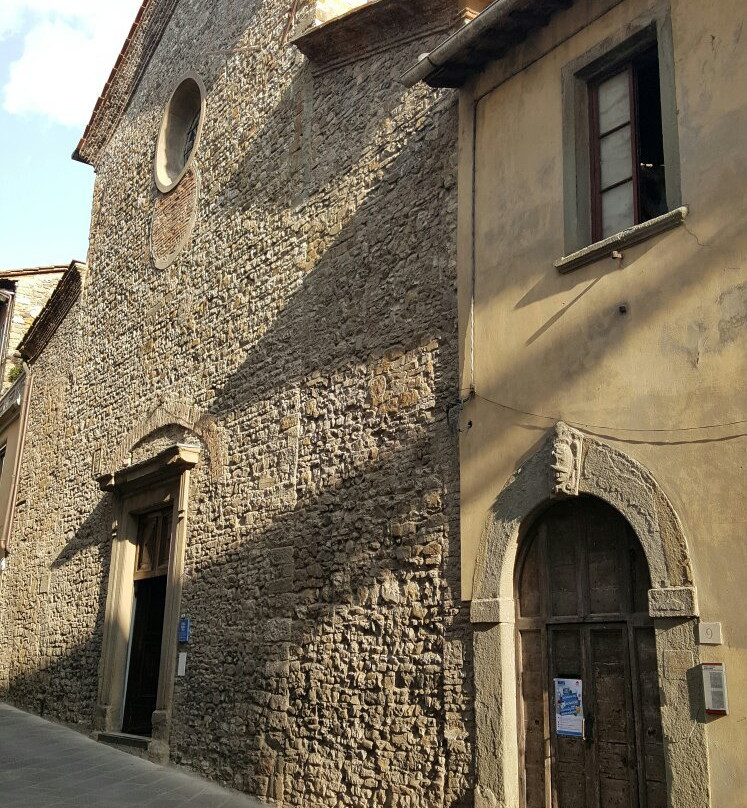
181,665
714,688
709,634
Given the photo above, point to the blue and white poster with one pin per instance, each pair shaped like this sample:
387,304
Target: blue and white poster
569,708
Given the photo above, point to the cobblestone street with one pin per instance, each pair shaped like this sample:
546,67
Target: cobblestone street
46,765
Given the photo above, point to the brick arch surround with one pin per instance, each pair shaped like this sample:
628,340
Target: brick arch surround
607,473
179,413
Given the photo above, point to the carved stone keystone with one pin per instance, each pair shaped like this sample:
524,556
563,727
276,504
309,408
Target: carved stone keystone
567,448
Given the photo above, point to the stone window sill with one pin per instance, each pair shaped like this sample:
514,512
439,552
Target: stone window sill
626,238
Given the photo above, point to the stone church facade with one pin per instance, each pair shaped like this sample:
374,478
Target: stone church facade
362,427
287,312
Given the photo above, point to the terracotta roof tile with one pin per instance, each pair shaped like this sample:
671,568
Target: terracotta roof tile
141,42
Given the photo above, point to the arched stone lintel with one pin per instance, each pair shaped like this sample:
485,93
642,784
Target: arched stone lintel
175,413
583,465
604,472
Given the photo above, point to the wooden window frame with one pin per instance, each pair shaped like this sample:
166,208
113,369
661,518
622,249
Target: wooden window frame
652,29
595,149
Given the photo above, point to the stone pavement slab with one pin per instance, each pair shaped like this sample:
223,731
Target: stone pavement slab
46,765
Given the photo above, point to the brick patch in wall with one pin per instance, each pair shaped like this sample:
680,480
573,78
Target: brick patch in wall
174,216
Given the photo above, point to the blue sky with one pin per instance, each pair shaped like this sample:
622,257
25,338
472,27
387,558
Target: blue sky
55,56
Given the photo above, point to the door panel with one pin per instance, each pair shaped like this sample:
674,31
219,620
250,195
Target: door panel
613,709
145,655
569,754
582,583
651,741
533,716
563,568
605,590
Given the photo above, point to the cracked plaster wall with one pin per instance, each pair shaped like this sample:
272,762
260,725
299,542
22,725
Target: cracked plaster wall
673,360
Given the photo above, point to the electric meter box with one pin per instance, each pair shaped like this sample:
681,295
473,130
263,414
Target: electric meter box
714,688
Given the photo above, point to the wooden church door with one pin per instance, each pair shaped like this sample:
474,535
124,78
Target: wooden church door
146,638
584,638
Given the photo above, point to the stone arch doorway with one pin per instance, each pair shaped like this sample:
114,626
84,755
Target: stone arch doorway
149,535
570,464
582,619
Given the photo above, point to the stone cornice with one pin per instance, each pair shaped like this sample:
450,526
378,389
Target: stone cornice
374,27
166,464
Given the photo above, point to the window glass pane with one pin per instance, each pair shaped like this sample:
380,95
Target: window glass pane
147,541
616,157
614,102
617,209
165,543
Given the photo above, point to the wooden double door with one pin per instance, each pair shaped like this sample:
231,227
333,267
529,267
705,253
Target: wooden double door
146,637
582,616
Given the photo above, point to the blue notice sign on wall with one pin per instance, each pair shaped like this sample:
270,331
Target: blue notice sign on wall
184,629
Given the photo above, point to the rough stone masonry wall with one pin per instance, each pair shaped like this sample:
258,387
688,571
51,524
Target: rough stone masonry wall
31,293
311,322
52,597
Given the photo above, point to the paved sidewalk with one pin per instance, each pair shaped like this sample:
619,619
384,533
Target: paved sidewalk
45,765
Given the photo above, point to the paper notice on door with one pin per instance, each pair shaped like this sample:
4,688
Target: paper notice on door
569,707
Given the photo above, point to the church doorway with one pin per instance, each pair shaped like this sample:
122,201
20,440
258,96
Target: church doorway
146,636
583,630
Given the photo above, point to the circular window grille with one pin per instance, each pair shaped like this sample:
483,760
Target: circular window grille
180,132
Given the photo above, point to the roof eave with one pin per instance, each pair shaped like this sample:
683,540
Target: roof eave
45,325
491,34
102,99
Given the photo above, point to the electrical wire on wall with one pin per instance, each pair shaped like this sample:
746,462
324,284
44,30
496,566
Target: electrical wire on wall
694,430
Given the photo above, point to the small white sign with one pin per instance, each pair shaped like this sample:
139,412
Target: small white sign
569,707
181,665
709,634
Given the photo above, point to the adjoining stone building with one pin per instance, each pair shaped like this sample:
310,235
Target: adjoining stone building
331,473
23,294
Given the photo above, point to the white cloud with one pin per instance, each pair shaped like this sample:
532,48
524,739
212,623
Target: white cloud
69,48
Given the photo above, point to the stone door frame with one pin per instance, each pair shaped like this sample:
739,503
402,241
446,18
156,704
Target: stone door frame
161,480
569,463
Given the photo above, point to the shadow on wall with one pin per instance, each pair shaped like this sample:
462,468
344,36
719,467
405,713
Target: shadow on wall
316,664
566,352
330,656
63,681
333,670
368,267
358,661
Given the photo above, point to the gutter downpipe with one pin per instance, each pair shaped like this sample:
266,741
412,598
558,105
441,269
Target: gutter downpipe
10,510
460,41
